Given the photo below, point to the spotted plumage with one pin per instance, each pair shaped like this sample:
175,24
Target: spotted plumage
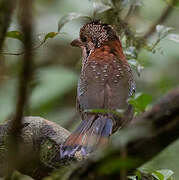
97,32
106,82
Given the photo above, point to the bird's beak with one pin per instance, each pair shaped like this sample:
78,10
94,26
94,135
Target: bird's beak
77,43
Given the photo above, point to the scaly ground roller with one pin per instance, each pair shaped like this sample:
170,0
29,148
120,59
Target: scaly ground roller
106,82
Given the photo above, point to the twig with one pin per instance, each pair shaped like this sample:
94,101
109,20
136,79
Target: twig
141,40
130,11
22,53
13,54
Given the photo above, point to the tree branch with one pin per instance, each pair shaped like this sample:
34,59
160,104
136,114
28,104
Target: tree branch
41,140
160,127
39,145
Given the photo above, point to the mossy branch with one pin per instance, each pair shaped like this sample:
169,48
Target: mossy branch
41,140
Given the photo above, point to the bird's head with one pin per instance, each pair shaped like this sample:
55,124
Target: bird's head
93,35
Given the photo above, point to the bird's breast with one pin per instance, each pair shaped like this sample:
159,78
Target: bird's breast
106,69
104,84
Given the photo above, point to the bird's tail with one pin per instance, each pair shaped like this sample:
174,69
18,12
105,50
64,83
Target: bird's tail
90,134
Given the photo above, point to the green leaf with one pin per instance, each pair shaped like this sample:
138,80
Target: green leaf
174,37
140,101
158,175
18,35
139,175
163,174
69,17
15,35
50,35
43,38
174,3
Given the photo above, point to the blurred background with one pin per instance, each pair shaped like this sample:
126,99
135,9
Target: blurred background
53,88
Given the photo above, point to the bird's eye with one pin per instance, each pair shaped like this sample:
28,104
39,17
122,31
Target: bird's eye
83,39
87,52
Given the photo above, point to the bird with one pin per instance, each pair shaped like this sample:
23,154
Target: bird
105,83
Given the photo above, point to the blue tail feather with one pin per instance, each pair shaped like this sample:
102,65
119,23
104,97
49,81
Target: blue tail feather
90,134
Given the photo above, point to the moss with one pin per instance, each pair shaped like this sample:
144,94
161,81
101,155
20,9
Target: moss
49,151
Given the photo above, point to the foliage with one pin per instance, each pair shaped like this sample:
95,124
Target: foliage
163,174
16,35
140,101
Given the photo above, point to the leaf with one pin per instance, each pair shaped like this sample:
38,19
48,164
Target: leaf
139,175
139,69
158,175
50,35
107,2
131,52
174,3
173,37
15,35
69,17
43,38
163,31
137,66
133,62
140,101
163,174
100,7
132,2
